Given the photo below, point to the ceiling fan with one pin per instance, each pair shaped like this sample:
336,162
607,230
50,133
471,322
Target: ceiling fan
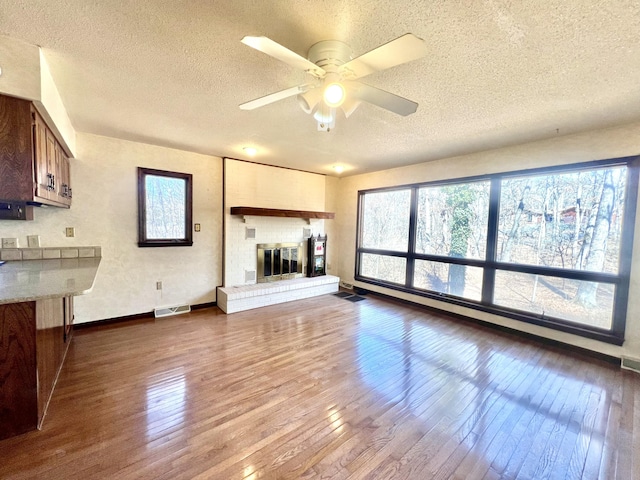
335,74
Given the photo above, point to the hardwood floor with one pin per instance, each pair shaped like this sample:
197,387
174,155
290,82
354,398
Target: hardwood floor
326,388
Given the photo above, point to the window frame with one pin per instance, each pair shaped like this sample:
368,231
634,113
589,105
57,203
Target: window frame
143,241
614,335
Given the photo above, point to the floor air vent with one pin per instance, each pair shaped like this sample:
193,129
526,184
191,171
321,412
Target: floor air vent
168,311
631,364
349,296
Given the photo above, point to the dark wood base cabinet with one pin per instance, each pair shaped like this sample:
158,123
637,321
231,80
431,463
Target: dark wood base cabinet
33,344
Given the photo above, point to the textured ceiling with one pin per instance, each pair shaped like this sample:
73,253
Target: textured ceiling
499,72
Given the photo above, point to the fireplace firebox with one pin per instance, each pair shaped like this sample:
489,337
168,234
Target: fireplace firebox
279,261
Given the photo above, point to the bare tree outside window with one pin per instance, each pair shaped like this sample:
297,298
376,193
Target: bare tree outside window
451,221
164,208
549,246
570,220
385,226
386,220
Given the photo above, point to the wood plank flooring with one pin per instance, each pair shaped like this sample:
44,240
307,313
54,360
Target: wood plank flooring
328,389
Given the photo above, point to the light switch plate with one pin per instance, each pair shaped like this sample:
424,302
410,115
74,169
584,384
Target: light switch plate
9,243
33,241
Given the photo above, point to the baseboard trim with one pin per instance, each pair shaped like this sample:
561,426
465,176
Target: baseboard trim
147,316
508,330
204,305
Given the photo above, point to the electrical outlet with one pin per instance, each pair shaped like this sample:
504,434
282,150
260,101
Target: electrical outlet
196,227
158,285
70,231
9,243
33,241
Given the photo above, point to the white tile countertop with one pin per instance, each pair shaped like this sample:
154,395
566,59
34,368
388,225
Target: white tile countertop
25,281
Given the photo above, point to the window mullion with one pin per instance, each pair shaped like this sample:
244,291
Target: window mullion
411,247
626,249
489,274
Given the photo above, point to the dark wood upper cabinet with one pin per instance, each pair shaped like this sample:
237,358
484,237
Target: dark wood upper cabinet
33,166
16,150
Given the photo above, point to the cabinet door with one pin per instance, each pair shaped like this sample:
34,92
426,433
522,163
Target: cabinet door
16,155
41,158
68,318
19,392
64,177
52,164
50,348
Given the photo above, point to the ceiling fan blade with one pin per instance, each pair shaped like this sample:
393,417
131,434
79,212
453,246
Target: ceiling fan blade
401,50
383,99
274,49
274,97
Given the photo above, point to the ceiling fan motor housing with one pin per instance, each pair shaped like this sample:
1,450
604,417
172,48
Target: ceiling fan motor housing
330,54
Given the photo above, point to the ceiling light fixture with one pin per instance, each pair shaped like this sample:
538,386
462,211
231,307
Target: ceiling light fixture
349,106
338,168
325,116
251,151
336,72
309,99
334,94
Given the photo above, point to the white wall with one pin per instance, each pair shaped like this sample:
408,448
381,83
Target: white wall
104,213
20,63
52,109
26,74
253,185
332,227
609,143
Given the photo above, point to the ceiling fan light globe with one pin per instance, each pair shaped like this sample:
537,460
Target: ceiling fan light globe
349,106
324,115
309,100
304,105
334,94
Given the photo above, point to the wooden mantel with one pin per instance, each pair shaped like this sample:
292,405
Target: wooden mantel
276,212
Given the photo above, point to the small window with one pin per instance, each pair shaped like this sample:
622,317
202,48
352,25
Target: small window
164,208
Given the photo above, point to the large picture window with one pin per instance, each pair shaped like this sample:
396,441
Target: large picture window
548,246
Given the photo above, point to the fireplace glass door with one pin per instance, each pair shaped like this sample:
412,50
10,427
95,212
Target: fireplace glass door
279,261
